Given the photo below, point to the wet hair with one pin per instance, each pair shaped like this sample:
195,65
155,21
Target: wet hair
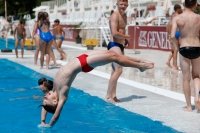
22,22
48,84
57,21
190,3
44,19
46,14
41,80
39,15
123,1
49,108
177,6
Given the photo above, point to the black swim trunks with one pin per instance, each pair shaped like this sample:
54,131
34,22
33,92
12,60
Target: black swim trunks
190,52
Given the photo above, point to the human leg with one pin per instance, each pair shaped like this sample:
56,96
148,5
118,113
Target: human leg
169,59
43,52
16,47
37,41
185,67
50,52
98,58
62,54
174,65
195,76
59,49
22,47
116,72
47,61
112,85
106,57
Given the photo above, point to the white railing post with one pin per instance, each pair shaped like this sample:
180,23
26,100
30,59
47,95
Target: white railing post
68,6
82,8
72,4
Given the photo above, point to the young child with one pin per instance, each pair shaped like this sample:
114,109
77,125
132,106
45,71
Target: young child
21,35
45,85
60,35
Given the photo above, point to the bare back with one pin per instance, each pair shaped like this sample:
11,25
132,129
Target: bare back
189,25
169,24
119,22
44,26
59,30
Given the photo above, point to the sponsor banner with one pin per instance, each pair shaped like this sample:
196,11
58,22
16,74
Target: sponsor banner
149,37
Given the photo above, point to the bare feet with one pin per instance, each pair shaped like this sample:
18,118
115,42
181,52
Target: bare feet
146,66
35,64
57,64
168,64
61,58
145,61
176,68
110,100
64,56
16,56
116,100
197,105
188,109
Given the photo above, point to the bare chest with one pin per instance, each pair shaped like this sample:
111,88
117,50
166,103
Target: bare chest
122,22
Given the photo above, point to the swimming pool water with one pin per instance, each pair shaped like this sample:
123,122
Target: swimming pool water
11,44
82,112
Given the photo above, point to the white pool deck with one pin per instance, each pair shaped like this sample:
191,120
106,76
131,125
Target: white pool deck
155,93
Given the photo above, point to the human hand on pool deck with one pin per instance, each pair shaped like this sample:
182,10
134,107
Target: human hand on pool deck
44,125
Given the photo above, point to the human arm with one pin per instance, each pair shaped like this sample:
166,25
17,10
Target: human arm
24,34
173,32
51,29
56,115
114,23
15,31
43,116
126,44
54,118
63,32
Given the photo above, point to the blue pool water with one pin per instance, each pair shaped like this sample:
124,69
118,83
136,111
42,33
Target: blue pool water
11,44
82,113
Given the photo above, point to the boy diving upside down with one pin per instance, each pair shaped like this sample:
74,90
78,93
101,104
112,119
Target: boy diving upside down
54,100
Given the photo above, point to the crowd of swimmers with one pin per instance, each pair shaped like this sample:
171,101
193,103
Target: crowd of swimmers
44,39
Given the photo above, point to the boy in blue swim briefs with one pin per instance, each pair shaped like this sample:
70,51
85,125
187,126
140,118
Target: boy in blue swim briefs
118,39
60,37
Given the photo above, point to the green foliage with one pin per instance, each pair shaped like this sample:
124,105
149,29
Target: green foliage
22,20
197,10
15,7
